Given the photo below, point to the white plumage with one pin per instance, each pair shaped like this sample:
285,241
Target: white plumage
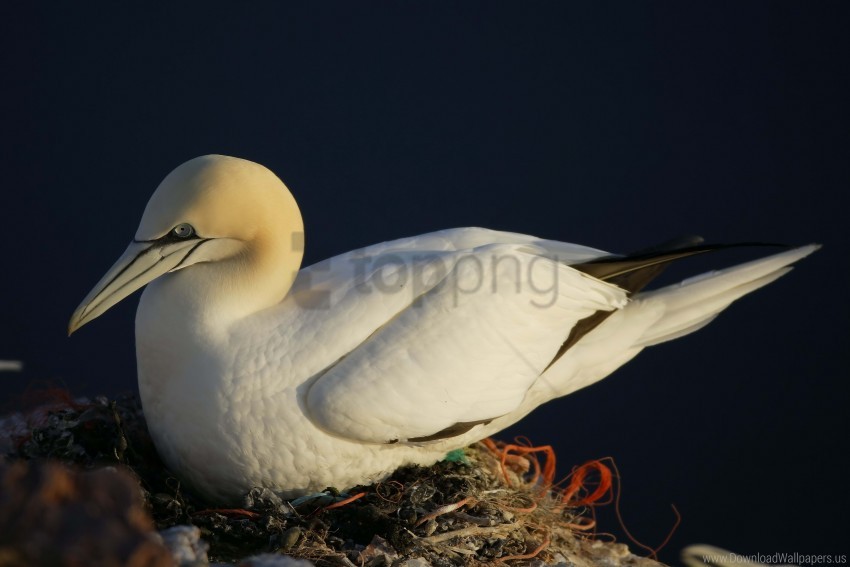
253,373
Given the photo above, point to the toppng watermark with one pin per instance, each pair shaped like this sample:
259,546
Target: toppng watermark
534,276
778,558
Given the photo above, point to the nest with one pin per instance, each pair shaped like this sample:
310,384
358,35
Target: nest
487,504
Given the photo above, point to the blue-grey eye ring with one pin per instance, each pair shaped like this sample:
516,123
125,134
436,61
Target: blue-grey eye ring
183,230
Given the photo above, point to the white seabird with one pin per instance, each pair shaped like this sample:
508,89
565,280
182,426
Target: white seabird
253,373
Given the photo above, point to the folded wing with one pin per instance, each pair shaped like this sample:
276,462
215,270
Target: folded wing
465,350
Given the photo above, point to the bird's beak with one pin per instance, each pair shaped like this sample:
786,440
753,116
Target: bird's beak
141,263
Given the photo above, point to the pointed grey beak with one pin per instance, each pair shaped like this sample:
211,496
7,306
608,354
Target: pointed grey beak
140,264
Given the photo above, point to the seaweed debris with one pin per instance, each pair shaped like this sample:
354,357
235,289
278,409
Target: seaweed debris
470,510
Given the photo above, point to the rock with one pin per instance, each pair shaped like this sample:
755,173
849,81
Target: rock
185,545
54,515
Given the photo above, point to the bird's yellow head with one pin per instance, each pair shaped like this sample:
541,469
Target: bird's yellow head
210,209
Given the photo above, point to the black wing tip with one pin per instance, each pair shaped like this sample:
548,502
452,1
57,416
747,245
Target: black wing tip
680,246
634,271
678,243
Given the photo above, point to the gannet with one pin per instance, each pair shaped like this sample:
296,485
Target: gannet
253,373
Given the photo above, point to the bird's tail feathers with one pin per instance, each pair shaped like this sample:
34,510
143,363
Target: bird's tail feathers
693,303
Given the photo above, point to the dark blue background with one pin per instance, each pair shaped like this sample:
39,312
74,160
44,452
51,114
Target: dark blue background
615,125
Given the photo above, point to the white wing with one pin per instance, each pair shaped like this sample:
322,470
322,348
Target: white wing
461,339
339,270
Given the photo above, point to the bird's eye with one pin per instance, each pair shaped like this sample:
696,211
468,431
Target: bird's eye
183,230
